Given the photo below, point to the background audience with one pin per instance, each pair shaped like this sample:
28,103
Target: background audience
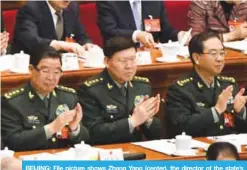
216,15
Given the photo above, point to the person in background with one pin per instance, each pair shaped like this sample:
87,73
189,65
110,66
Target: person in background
222,151
4,37
42,115
127,18
50,23
218,16
118,106
204,103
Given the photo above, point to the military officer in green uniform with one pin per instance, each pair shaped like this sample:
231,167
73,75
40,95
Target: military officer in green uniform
42,115
203,103
117,105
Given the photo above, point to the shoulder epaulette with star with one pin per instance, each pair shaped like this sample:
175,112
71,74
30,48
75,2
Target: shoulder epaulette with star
141,79
226,79
66,89
184,81
93,82
14,93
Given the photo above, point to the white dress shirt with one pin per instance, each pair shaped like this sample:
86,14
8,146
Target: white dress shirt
53,13
139,8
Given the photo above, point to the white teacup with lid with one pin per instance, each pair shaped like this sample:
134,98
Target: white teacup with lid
6,153
94,57
183,143
81,149
21,63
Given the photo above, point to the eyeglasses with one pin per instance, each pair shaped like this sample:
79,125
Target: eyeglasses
125,61
216,54
46,71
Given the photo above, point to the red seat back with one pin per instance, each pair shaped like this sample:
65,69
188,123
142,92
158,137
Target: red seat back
88,17
9,21
177,13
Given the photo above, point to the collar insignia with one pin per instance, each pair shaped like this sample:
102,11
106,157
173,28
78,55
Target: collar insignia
130,84
31,96
109,86
199,85
54,93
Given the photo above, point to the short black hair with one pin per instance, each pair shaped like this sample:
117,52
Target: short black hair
196,43
45,51
216,148
116,44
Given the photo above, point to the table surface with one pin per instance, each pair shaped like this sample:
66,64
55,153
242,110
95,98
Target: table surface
150,154
232,57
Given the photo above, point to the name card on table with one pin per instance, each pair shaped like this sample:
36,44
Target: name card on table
70,62
111,154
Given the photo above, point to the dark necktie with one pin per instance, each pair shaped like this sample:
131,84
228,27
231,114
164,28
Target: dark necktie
59,25
123,90
46,101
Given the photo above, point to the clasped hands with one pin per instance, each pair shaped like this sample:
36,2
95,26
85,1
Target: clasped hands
238,102
72,118
145,110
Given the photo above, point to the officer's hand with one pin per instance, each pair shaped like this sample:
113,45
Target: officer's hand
223,99
73,125
78,49
239,101
88,46
241,31
145,38
157,106
69,47
61,121
157,103
143,111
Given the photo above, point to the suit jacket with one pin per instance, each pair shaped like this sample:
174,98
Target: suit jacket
189,102
2,22
35,27
209,15
24,116
115,18
106,110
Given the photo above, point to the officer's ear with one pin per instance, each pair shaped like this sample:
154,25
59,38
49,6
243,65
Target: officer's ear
106,61
30,68
195,57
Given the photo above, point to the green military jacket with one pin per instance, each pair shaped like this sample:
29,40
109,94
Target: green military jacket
106,109
189,102
24,116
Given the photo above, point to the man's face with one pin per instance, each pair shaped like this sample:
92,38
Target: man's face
45,76
122,66
59,5
212,60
